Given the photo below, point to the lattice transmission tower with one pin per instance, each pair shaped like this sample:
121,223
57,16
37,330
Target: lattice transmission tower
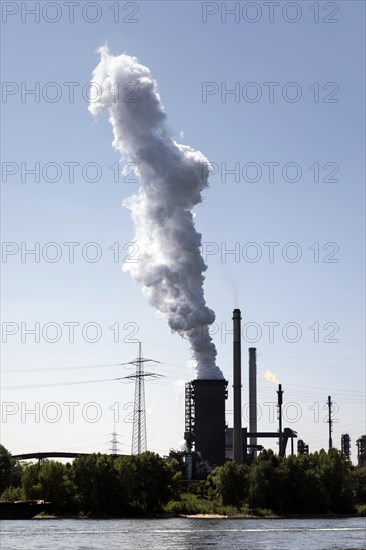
139,443
114,442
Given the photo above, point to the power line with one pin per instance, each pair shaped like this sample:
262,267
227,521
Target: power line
51,369
29,386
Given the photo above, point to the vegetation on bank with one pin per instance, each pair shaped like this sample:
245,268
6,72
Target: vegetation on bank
103,485
319,483
96,485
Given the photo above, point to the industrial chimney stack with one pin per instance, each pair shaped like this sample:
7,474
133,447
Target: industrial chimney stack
237,433
253,398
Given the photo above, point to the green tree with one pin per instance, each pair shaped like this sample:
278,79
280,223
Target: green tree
152,482
98,488
12,493
302,487
337,478
359,483
49,480
230,483
10,470
176,473
265,482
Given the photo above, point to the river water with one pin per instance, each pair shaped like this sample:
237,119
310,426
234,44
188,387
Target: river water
183,534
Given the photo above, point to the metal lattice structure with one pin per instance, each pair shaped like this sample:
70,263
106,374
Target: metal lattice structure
114,442
346,445
189,417
139,439
361,450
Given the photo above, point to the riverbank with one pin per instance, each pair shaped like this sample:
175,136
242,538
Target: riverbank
285,517
167,515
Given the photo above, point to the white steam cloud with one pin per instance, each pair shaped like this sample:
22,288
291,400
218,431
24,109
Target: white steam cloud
170,266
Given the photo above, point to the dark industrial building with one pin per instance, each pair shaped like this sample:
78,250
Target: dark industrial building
346,445
361,450
205,418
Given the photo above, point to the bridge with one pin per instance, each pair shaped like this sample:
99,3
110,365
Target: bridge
56,454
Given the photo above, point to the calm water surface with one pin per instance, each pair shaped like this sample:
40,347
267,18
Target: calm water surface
184,534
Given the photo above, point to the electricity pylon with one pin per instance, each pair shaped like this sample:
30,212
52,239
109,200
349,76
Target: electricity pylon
114,442
139,444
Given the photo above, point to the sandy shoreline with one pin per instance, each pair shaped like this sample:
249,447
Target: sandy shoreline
204,516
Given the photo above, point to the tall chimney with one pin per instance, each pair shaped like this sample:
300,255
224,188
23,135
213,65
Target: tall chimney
279,407
237,435
253,398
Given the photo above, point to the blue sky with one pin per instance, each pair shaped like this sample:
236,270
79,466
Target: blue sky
324,289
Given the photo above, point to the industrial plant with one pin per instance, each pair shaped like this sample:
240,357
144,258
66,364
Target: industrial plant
209,441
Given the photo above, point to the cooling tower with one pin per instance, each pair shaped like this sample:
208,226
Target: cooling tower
209,419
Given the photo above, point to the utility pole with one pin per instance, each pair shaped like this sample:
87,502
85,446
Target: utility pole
139,444
330,422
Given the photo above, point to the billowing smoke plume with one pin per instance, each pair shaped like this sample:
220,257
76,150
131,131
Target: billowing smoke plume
170,266
270,377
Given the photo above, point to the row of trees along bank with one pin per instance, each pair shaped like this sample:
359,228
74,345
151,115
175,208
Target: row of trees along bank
103,485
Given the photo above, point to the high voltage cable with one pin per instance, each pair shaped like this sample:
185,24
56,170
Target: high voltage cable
184,369
50,369
263,390
26,386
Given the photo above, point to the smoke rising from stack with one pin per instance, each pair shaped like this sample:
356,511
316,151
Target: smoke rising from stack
170,266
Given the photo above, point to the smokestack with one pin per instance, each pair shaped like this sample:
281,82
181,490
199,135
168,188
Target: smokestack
253,397
237,435
279,407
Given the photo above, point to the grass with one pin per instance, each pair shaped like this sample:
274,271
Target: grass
191,504
361,509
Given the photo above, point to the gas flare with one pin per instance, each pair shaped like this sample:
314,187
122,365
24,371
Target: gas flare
270,377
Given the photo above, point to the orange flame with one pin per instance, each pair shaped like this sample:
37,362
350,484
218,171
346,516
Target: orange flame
270,377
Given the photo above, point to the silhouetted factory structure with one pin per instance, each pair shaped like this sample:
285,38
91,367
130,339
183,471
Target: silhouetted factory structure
346,445
361,450
209,441
207,411
205,425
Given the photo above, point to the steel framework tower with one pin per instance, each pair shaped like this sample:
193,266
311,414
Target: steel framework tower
189,416
139,444
346,445
114,442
